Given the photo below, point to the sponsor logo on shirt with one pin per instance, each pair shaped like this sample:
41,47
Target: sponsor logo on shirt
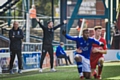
84,48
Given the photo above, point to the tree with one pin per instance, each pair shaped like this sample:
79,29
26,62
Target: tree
42,6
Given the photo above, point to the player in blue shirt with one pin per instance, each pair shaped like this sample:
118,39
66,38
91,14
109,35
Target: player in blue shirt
82,57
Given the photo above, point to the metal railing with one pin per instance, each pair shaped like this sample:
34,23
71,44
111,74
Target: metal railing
31,47
27,47
37,47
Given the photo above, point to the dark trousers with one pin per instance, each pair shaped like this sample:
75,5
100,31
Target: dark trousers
34,22
66,58
12,58
117,42
45,49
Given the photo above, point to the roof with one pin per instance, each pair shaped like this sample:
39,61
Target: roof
7,4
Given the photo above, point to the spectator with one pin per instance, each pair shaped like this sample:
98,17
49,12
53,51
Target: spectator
60,53
79,24
33,16
117,39
15,36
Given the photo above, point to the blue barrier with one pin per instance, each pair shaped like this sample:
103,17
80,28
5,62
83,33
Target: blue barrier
2,51
31,60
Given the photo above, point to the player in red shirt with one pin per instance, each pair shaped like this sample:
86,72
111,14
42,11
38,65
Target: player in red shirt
97,52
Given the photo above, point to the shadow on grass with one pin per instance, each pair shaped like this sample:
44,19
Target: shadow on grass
111,71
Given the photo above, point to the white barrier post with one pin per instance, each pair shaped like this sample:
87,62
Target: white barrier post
82,25
28,28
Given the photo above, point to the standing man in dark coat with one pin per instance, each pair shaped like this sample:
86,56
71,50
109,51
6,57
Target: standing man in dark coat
117,39
47,46
15,36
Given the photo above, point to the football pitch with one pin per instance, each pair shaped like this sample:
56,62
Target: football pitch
111,71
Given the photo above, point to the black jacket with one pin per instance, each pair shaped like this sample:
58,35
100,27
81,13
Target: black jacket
48,33
16,42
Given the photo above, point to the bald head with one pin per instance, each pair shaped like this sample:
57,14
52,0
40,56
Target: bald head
15,22
33,6
15,25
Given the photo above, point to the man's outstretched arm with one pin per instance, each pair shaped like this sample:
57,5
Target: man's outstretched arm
64,22
104,51
97,42
68,36
40,23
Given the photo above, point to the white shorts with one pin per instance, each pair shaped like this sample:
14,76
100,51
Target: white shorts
85,64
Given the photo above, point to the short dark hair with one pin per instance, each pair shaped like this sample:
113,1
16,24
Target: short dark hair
49,22
85,29
61,43
97,27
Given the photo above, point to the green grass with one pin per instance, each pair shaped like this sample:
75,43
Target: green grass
111,71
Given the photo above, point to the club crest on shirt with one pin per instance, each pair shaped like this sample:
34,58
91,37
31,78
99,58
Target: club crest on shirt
51,30
87,44
81,43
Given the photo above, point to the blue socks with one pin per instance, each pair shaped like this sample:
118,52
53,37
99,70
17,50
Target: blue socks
79,66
